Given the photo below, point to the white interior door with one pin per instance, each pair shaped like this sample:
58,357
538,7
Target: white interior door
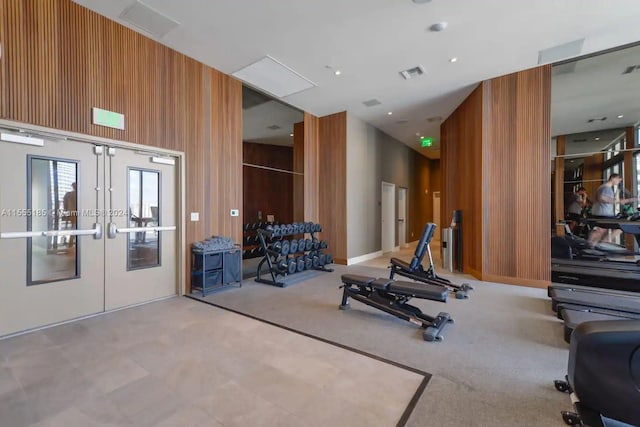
51,250
141,244
388,216
402,217
436,214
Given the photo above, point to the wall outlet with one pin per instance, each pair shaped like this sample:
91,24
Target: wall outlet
235,212
195,216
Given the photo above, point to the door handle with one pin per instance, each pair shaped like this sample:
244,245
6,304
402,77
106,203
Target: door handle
400,219
143,229
96,231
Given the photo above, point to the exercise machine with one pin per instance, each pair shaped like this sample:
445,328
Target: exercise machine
393,296
414,270
604,375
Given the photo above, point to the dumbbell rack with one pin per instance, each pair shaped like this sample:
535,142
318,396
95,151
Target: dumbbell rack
273,257
250,242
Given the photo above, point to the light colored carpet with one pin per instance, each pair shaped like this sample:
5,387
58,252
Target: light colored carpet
495,367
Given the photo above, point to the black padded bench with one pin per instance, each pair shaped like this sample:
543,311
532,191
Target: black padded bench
414,270
392,297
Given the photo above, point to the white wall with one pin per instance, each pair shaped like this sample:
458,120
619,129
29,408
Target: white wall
372,157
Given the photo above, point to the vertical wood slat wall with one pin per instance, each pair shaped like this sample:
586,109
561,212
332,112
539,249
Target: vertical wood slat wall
59,60
298,167
332,200
311,127
461,171
496,168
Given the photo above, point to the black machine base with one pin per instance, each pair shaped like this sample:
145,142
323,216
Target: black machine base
392,297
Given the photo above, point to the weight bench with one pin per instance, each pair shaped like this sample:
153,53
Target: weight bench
416,271
392,297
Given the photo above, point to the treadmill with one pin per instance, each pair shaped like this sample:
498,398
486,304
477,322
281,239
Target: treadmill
606,267
573,315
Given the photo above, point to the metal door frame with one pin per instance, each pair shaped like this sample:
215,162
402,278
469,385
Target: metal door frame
34,130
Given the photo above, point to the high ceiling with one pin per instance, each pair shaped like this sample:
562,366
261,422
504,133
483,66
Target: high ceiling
371,41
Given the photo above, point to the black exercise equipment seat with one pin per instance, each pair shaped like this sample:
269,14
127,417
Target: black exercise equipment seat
604,374
392,297
415,271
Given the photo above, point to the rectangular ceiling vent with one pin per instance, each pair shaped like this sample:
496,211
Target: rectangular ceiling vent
412,72
434,119
372,102
402,122
148,20
631,69
597,119
273,77
274,127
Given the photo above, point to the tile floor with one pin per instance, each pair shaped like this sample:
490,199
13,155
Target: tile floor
182,363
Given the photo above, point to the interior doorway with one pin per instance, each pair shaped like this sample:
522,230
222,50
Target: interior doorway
388,217
436,215
402,217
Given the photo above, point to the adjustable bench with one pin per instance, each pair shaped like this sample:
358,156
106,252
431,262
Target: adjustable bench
415,271
392,297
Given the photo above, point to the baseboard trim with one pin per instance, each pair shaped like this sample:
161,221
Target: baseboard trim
531,283
363,258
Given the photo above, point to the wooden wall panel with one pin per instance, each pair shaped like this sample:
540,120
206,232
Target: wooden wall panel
268,191
59,60
517,170
298,168
461,176
311,167
496,169
421,193
225,184
333,183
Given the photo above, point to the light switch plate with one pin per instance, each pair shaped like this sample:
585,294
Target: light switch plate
195,216
235,212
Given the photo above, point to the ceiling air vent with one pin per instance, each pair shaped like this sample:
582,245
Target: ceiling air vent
598,119
148,19
412,72
372,102
402,122
630,69
434,119
274,127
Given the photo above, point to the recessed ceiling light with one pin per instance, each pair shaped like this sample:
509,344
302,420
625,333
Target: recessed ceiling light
421,1
620,116
338,72
597,138
290,134
437,27
390,113
454,59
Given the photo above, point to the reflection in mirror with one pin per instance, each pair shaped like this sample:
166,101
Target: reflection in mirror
595,116
143,247
53,205
273,159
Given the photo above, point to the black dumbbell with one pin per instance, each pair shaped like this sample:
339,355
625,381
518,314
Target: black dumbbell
322,258
329,259
293,246
315,244
299,264
276,247
308,245
286,247
308,262
282,267
273,229
301,244
323,244
307,227
315,261
292,266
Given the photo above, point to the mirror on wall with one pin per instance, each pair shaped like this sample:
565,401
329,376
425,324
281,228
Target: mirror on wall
595,115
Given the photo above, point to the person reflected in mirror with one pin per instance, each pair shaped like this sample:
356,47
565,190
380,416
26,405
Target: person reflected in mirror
604,207
70,206
577,205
